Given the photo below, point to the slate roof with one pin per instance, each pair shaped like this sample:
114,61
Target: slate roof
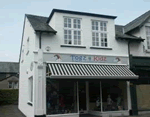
39,23
137,22
119,29
9,67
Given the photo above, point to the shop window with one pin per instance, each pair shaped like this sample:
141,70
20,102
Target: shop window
94,96
30,89
61,97
114,95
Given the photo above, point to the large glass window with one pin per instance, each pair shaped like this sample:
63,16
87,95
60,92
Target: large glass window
114,95
72,31
94,96
61,96
99,34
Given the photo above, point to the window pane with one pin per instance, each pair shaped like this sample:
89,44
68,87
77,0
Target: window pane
69,20
114,95
75,21
10,84
79,27
78,21
94,96
94,25
15,85
65,24
65,19
65,31
79,32
61,97
69,37
65,41
69,25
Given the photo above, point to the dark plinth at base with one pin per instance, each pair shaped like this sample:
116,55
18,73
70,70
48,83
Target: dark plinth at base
40,115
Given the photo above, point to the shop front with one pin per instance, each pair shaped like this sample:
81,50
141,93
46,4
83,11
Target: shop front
100,88
141,67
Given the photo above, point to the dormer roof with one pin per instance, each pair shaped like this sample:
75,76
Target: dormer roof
39,23
79,13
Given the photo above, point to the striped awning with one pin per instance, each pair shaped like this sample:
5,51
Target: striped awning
82,70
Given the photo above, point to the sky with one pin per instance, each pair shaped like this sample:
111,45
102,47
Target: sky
12,17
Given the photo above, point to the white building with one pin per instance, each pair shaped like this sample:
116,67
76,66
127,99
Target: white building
73,63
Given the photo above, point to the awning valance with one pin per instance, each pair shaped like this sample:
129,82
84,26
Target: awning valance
82,70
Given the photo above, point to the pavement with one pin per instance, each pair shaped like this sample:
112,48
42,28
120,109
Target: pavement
13,111
10,111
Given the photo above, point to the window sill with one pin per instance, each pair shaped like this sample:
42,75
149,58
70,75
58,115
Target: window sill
105,48
30,103
73,46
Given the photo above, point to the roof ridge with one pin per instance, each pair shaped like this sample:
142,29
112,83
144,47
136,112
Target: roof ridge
137,18
35,15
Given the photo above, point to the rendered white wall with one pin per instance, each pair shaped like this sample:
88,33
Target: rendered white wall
24,67
119,48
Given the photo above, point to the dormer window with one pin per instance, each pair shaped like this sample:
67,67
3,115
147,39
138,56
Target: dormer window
148,36
99,34
72,31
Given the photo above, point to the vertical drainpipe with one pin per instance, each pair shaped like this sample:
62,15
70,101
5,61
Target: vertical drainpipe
40,36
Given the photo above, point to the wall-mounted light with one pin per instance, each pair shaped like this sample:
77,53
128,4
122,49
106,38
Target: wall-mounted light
47,48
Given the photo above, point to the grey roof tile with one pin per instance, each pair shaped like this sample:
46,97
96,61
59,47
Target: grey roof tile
9,67
39,23
137,22
119,29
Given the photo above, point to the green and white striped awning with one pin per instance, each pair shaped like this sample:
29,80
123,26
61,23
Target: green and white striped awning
82,70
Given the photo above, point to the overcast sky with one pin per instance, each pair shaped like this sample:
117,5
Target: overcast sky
12,15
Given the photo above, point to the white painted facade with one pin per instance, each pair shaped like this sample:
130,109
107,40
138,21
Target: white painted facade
140,48
36,55
25,72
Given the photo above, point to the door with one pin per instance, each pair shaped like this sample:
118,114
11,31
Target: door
82,96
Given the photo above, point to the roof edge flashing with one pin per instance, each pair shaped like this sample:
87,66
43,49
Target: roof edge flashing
79,13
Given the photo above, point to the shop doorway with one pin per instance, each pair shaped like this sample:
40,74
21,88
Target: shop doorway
82,97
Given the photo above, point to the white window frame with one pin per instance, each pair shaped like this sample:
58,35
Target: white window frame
72,29
30,89
13,85
97,30
147,37
28,46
